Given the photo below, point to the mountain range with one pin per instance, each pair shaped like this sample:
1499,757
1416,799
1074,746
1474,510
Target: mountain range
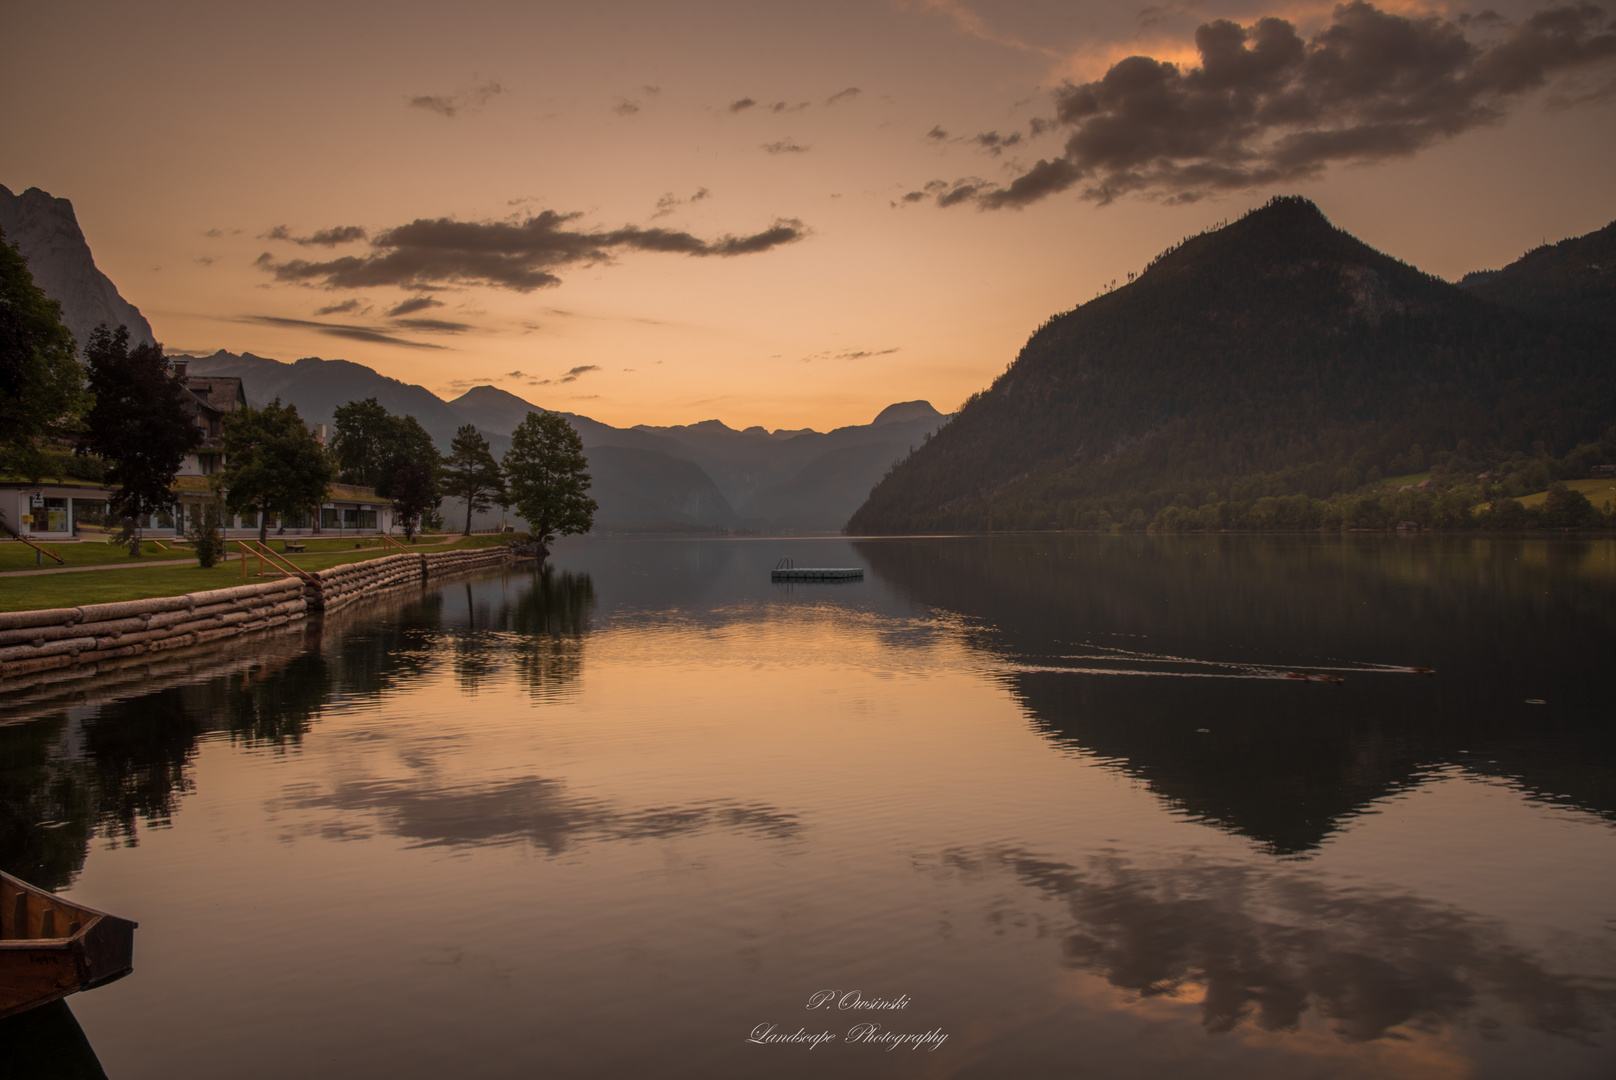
1276,355
697,476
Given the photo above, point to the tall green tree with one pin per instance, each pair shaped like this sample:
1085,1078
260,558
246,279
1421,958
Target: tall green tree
393,454
273,464
41,385
548,478
471,473
141,424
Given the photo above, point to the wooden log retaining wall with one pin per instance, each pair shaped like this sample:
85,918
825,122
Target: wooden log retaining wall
83,637
33,641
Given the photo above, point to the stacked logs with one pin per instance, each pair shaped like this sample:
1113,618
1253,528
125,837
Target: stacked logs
331,589
35,641
32,641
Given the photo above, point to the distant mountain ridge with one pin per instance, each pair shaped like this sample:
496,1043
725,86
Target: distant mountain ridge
1277,354
46,231
697,476
1572,281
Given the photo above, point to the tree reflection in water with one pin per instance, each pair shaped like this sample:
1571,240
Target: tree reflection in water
74,765
1263,946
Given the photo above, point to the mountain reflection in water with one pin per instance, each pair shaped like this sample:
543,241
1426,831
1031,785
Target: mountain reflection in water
1065,793
1499,621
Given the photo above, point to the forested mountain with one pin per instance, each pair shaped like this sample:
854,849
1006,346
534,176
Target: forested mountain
46,231
1572,281
1276,355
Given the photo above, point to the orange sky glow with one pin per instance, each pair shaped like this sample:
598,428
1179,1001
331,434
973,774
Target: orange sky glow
200,143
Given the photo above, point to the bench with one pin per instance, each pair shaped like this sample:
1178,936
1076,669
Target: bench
289,547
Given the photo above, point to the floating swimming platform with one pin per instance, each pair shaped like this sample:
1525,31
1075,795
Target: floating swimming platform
787,570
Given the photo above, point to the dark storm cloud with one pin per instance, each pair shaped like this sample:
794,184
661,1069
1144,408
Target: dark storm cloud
511,255
451,105
843,95
1266,106
414,304
353,333
785,146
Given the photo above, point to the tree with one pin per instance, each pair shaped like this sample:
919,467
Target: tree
41,384
471,473
273,464
141,424
545,473
361,431
393,454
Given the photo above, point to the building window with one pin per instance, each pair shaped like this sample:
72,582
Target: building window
367,519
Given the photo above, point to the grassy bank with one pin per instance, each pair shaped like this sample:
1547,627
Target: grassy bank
141,581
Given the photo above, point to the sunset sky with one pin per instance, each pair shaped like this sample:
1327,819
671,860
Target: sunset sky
765,213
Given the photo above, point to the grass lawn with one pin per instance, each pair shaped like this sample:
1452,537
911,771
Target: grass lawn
138,582
1395,482
1599,491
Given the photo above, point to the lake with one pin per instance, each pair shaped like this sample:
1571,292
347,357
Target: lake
1110,806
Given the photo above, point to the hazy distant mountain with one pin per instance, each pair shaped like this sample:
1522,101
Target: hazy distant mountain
1275,355
645,490
318,386
47,232
747,464
1574,280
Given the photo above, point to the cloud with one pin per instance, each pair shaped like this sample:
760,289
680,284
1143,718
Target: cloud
333,237
785,146
514,375
1265,106
625,107
843,95
571,376
354,333
741,104
214,233
414,304
671,202
450,105
937,133
994,143
511,255
340,309
781,106
433,326
848,354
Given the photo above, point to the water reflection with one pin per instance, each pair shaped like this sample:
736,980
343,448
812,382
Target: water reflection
1258,945
111,755
1284,760
47,1043
526,810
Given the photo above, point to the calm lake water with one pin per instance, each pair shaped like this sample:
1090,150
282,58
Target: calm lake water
1075,806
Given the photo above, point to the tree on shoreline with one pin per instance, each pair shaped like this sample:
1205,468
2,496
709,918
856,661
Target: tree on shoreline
273,464
41,384
392,454
548,478
471,473
139,424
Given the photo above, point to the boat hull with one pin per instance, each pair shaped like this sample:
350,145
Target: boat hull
50,947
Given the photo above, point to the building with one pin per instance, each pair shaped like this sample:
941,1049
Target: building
61,509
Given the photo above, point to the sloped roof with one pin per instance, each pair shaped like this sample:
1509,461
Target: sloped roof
221,393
